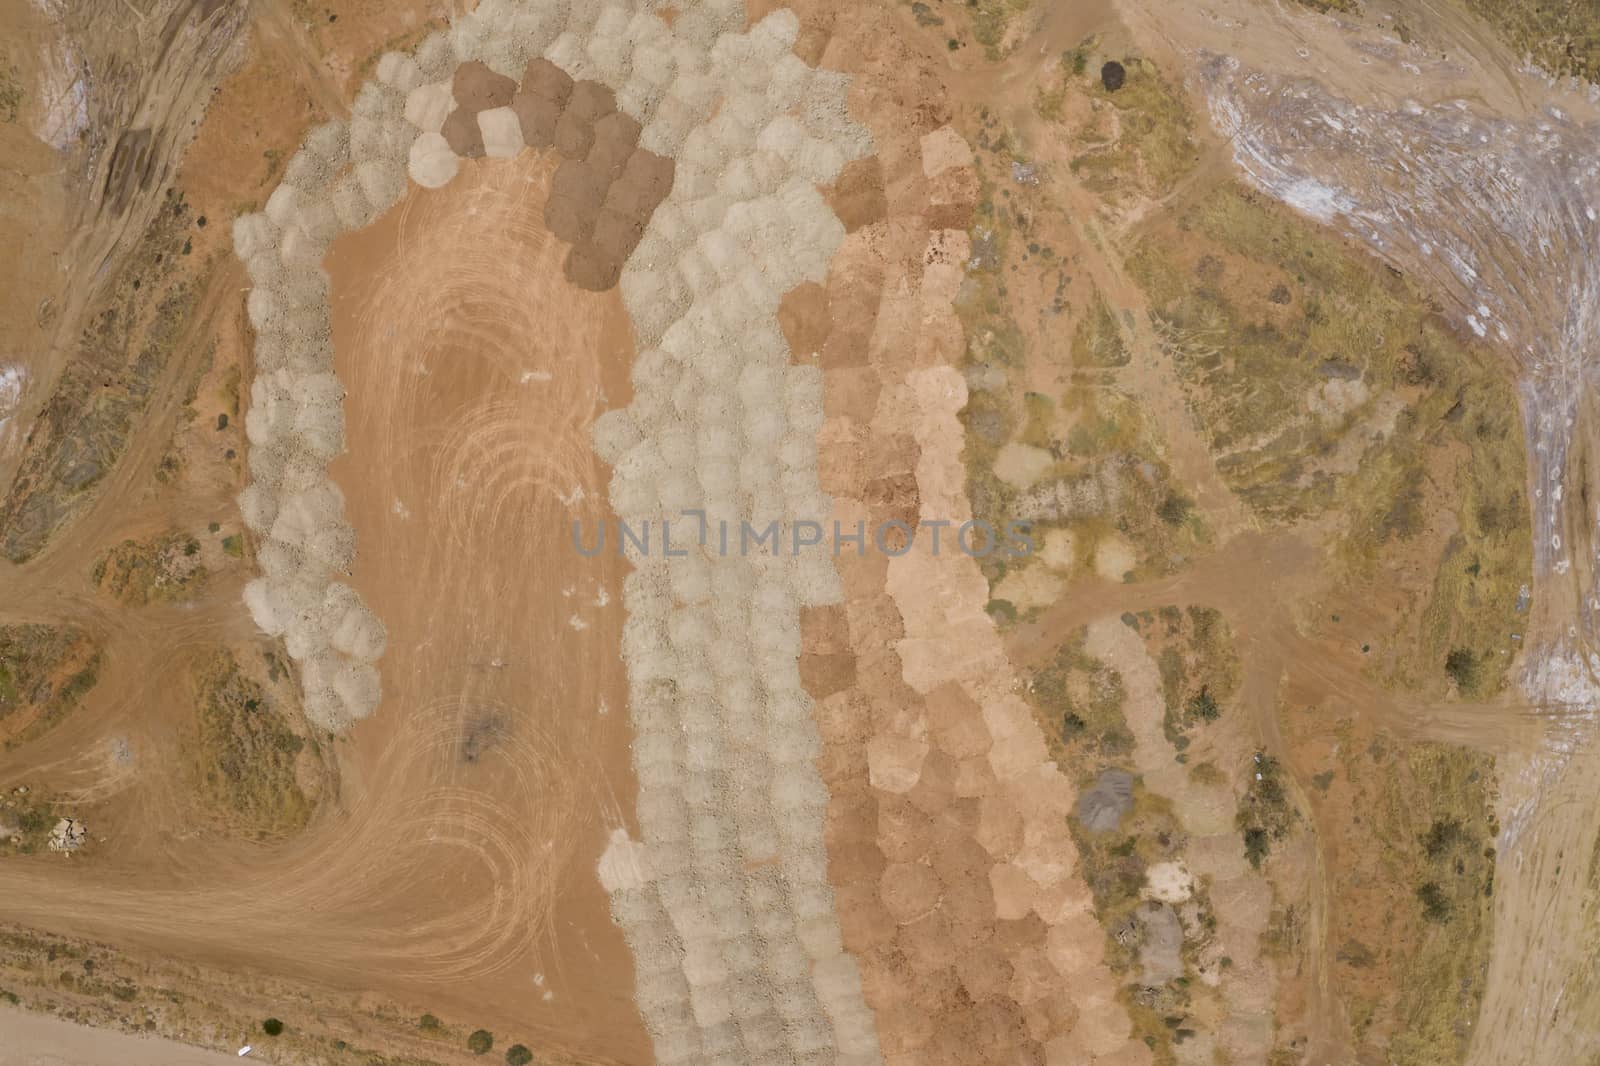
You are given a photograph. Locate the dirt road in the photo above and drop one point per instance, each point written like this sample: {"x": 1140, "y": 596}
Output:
{"x": 39, "y": 1040}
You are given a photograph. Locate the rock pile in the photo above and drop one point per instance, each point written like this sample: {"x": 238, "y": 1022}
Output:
{"x": 68, "y": 835}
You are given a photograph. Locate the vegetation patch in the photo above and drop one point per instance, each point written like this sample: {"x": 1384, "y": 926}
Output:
{"x": 1080, "y": 699}
{"x": 994, "y": 351}
{"x": 1115, "y": 866}
{"x": 1103, "y": 478}
{"x": 1200, "y": 669}
{"x": 161, "y": 569}
{"x": 89, "y": 419}
{"x": 1265, "y": 812}
{"x": 26, "y": 820}
{"x": 1140, "y": 137}
{"x": 45, "y": 671}
{"x": 991, "y": 21}
{"x": 11, "y": 92}
{"x": 1562, "y": 36}
{"x": 1410, "y": 921}
{"x": 245, "y": 753}
{"x": 1439, "y": 832}
{"x": 1326, "y": 382}
{"x": 1098, "y": 340}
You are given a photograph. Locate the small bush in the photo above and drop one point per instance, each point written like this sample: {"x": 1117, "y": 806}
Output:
{"x": 1203, "y": 705}
{"x": 1264, "y": 813}
{"x": 1443, "y": 837}
{"x": 1462, "y": 666}
{"x": 1004, "y": 612}
{"x": 1174, "y": 510}
{"x": 480, "y": 1041}
{"x": 272, "y": 1027}
{"x": 517, "y": 1055}
{"x": 1435, "y": 904}
{"x": 1256, "y": 845}
{"x": 429, "y": 1023}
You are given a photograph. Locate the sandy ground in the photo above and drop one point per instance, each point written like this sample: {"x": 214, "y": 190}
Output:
{"x": 474, "y": 373}
{"x": 470, "y": 818}
{"x": 37, "y": 1040}
{"x": 456, "y": 870}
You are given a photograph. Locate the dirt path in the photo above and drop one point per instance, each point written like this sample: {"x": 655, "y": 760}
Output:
{"x": 39, "y": 1040}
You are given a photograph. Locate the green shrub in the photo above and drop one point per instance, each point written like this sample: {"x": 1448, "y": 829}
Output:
{"x": 1256, "y": 845}
{"x": 480, "y": 1041}
{"x": 1462, "y": 666}
{"x": 1174, "y": 510}
{"x": 1443, "y": 837}
{"x": 1203, "y": 705}
{"x": 1435, "y": 904}
{"x": 1264, "y": 813}
{"x": 517, "y": 1055}
{"x": 272, "y": 1027}
{"x": 1004, "y": 612}
{"x": 429, "y": 1022}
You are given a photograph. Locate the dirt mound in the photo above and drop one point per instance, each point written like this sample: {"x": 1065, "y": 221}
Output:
{"x": 606, "y": 188}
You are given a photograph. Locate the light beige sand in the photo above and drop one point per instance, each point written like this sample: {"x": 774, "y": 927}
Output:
{"x": 38, "y": 1040}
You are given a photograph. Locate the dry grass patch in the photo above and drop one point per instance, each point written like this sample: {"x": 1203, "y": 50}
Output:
{"x": 45, "y": 671}
{"x": 247, "y": 754}
{"x": 1437, "y": 829}
{"x": 157, "y": 570}
{"x": 1562, "y": 36}
{"x": 1140, "y": 137}
{"x": 1329, "y": 386}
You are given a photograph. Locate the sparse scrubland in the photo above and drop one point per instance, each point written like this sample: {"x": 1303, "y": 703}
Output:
{"x": 1082, "y": 467}
{"x": 45, "y": 672}
{"x": 1140, "y": 138}
{"x": 95, "y": 408}
{"x": 1080, "y": 699}
{"x": 1560, "y": 36}
{"x": 1336, "y": 401}
{"x": 156, "y": 570}
{"x": 1327, "y": 384}
{"x": 248, "y": 759}
{"x": 26, "y": 819}
{"x": 1200, "y": 669}
{"x": 1410, "y": 929}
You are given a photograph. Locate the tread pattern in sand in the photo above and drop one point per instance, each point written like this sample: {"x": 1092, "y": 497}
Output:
{"x": 725, "y": 901}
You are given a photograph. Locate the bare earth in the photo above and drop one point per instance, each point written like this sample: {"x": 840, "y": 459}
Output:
{"x": 39, "y": 1040}
{"x": 443, "y": 876}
